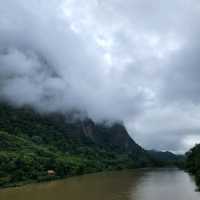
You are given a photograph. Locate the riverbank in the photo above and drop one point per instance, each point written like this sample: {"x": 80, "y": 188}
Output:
{"x": 139, "y": 184}
{"x": 56, "y": 178}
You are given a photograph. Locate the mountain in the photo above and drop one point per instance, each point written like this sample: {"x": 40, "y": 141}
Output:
{"x": 167, "y": 158}
{"x": 33, "y": 144}
{"x": 113, "y": 136}
{"x": 193, "y": 163}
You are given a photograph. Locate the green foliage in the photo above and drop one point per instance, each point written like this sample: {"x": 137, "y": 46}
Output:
{"x": 193, "y": 163}
{"x": 22, "y": 160}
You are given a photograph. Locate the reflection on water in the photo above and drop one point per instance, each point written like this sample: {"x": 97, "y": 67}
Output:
{"x": 159, "y": 184}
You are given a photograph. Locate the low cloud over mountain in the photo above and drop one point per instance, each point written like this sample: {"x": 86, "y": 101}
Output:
{"x": 135, "y": 61}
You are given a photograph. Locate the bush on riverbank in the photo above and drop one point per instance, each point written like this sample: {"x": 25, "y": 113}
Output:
{"x": 193, "y": 163}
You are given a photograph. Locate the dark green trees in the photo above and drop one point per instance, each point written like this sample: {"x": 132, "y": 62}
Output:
{"x": 193, "y": 163}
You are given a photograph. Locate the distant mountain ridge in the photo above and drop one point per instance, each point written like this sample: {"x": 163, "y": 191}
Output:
{"x": 166, "y": 157}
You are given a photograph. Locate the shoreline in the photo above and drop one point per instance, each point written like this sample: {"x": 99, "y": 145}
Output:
{"x": 56, "y": 178}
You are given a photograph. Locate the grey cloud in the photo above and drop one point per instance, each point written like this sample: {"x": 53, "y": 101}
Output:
{"x": 135, "y": 61}
{"x": 45, "y": 63}
{"x": 181, "y": 81}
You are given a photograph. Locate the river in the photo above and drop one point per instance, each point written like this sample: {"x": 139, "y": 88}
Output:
{"x": 145, "y": 184}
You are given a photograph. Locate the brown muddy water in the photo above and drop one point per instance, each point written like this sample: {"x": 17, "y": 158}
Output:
{"x": 145, "y": 184}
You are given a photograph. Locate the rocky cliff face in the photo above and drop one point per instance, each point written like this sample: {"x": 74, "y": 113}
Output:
{"x": 114, "y": 135}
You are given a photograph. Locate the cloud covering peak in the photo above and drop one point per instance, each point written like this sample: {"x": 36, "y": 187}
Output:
{"x": 135, "y": 61}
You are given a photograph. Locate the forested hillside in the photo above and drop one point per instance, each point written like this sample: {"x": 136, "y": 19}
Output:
{"x": 31, "y": 144}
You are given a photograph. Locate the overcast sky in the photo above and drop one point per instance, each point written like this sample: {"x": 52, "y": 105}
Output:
{"x": 133, "y": 60}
